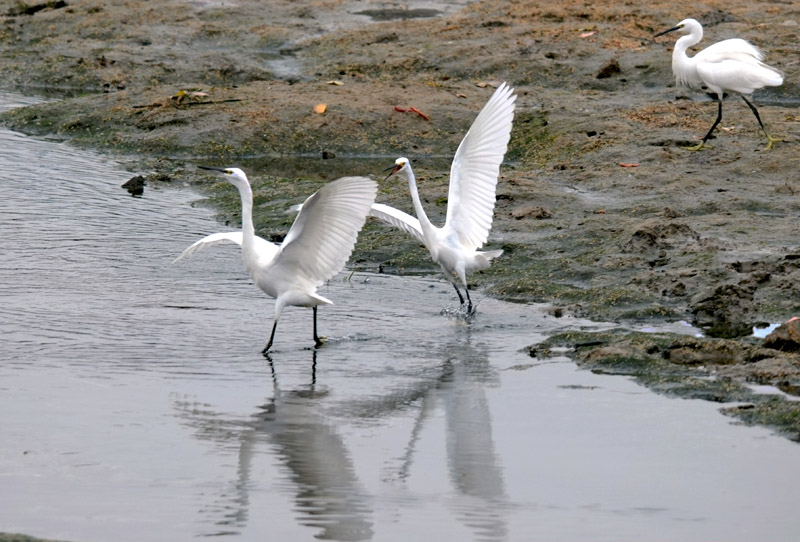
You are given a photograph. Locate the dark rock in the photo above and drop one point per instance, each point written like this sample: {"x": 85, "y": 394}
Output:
{"x": 135, "y": 185}
{"x": 724, "y": 311}
{"x": 23, "y": 8}
{"x": 786, "y": 337}
{"x": 609, "y": 69}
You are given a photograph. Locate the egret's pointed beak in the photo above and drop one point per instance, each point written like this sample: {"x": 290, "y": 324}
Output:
{"x": 217, "y": 169}
{"x": 394, "y": 169}
{"x": 673, "y": 29}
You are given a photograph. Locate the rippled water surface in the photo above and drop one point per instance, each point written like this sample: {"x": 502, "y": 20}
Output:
{"x": 135, "y": 404}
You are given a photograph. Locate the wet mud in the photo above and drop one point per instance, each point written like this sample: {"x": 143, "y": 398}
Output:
{"x": 600, "y": 212}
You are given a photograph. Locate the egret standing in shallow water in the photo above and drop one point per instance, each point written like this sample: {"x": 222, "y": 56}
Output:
{"x": 470, "y": 200}
{"x": 732, "y": 65}
{"x": 317, "y": 246}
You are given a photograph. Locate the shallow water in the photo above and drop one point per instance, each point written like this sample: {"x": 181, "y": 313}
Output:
{"x": 135, "y": 404}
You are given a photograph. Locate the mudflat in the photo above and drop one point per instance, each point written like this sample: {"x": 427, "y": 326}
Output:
{"x": 600, "y": 211}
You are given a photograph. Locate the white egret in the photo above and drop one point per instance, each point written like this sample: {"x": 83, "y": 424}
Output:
{"x": 471, "y": 197}
{"x": 316, "y": 247}
{"x": 732, "y": 65}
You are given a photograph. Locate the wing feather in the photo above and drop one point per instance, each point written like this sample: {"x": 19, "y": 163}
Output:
{"x": 743, "y": 75}
{"x": 476, "y": 166}
{"x": 263, "y": 247}
{"x": 323, "y": 235}
{"x": 398, "y": 219}
{"x": 211, "y": 240}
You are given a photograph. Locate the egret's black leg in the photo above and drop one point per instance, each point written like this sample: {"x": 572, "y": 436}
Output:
{"x": 317, "y": 341}
{"x": 460, "y": 297}
{"x": 470, "y": 310}
{"x": 271, "y": 337}
{"x": 770, "y": 139}
{"x": 711, "y": 131}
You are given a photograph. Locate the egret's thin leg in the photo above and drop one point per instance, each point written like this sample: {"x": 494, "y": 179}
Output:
{"x": 271, "y": 337}
{"x": 469, "y": 306}
{"x": 702, "y": 144}
{"x": 317, "y": 341}
{"x": 460, "y": 297}
{"x": 770, "y": 139}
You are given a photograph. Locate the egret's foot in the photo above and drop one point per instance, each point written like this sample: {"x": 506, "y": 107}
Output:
{"x": 265, "y": 352}
{"x": 771, "y": 141}
{"x": 319, "y": 341}
{"x": 699, "y": 146}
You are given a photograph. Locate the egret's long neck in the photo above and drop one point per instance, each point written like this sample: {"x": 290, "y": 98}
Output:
{"x": 683, "y": 43}
{"x": 683, "y": 66}
{"x": 248, "y": 230}
{"x": 412, "y": 187}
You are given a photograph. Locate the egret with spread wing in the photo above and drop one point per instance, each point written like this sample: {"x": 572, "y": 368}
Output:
{"x": 732, "y": 65}
{"x": 471, "y": 197}
{"x": 316, "y": 248}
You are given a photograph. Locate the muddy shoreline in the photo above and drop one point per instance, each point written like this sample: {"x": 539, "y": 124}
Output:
{"x": 599, "y": 211}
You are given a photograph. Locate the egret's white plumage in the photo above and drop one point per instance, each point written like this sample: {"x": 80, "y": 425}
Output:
{"x": 471, "y": 197}
{"x": 731, "y": 65}
{"x": 316, "y": 248}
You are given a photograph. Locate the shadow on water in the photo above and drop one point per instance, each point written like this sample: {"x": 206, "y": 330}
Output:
{"x": 328, "y": 495}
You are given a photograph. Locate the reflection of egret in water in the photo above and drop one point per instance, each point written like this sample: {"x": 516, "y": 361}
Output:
{"x": 459, "y": 388}
{"x": 470, "y": 449}
{"x": 328, "y": 495}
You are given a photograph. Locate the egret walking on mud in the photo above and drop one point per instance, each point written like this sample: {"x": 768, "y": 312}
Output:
{"x": 470, "y": 200}
{"x": 316, "y": 248}
{"x": 732, "y": 65}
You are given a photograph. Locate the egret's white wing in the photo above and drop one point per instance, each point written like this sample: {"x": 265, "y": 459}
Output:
{"x": 476, "y": 166}
{"x": 397, "y": 218}
{"x": 263, "y": 247}
{"x": 323, "y": 235}
{"x": 729, "y": 47}
{"x": 210, "y": 240}
{"x": 742, "y": 75}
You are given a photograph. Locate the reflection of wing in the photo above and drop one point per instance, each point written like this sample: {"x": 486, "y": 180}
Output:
{"x": 398, "y": 219}
{"x": 476, "y": 166}
{"x": 323, "y": 235}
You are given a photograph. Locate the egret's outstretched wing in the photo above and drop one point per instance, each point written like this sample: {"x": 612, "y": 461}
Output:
{"x": 398, "y": 219}
{"x": 210, "y": 240}
{"x": 476, "y": 166}
{"x": 263, "y": 247}
{"x": 323, "y": 235}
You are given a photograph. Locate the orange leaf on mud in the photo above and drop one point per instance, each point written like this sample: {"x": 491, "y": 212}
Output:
{"x": 628, "y": 164}
{"x": 411, "y": 110}
{"x": 320, "y": 108}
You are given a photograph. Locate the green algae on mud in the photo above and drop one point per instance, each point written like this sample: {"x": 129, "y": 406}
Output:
{"x": 689, "y": 368}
